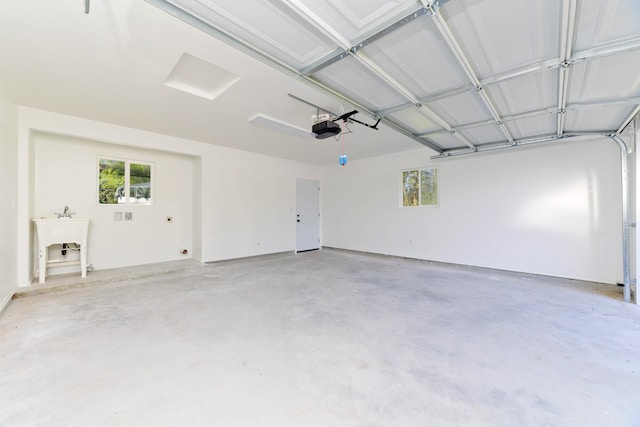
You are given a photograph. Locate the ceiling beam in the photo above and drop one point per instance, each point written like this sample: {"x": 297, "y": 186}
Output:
{"x": 634, "y": 100}
{"x": 519, "y": 143}
{"x": 506, "y": 119}
{"x": 550, "y": 110}
{"x": 493, "y": 146}
{"x": 324, "y": 62}
{"x": 566, "y": 45}
{"x": 462, "y": 59}
{"x": 607, "y": 49}
{"x": 532, "y": 68}
{"x": 431, "y": 98}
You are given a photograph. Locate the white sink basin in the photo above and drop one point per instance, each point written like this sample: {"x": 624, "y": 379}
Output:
{"x": 62, "y": 230}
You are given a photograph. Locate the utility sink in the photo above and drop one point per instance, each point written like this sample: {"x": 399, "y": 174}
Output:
{"x": 61, "y": 230}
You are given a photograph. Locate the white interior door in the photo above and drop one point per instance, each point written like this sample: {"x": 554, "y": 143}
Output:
{"x": 307, "y": 215}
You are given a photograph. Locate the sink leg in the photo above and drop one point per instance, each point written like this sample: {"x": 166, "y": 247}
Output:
{"x": 83, "y": 259}
{"x": 42, "y": 264}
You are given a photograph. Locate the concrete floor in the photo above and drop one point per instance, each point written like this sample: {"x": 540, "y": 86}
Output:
{"x": 326, "y": 338}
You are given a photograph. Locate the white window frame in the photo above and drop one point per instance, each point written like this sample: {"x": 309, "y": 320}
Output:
{"x": 127, "y": 181}
{"x": 419, "y": 170}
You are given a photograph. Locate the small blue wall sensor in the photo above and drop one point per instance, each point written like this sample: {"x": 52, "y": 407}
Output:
{"x": 343, "y": 159}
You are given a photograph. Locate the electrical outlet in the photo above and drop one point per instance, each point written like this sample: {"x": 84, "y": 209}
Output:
{"x": 128, "y": 216}
{"x": 168, "y": 219}
{"x": 117, "y": 216}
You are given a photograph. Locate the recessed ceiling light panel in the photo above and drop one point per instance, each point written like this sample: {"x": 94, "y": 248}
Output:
{"x": 199, "y": 77}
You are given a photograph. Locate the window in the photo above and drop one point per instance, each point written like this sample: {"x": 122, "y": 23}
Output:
{"x": 420, "y": 187}
{"x": 124, "y": 182}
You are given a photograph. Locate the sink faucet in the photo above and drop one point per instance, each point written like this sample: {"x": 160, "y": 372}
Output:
{"x": 65, "y": 213}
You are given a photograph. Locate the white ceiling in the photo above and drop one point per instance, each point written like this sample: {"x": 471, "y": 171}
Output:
{"x": 459, "y": 75}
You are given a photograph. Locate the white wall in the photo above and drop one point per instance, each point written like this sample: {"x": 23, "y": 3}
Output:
{"x": 9, "y": 199}
{"x": 66, "y": 174}
{"x": 243, "y": 204}
{"x": 548, "y": 209}
{"x": 249, "y": 203}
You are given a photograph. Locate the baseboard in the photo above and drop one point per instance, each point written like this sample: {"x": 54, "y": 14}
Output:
{"x": 271, "y": 254}
{"x": 4, "y": 302}
{"x": 609, "y": 287}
